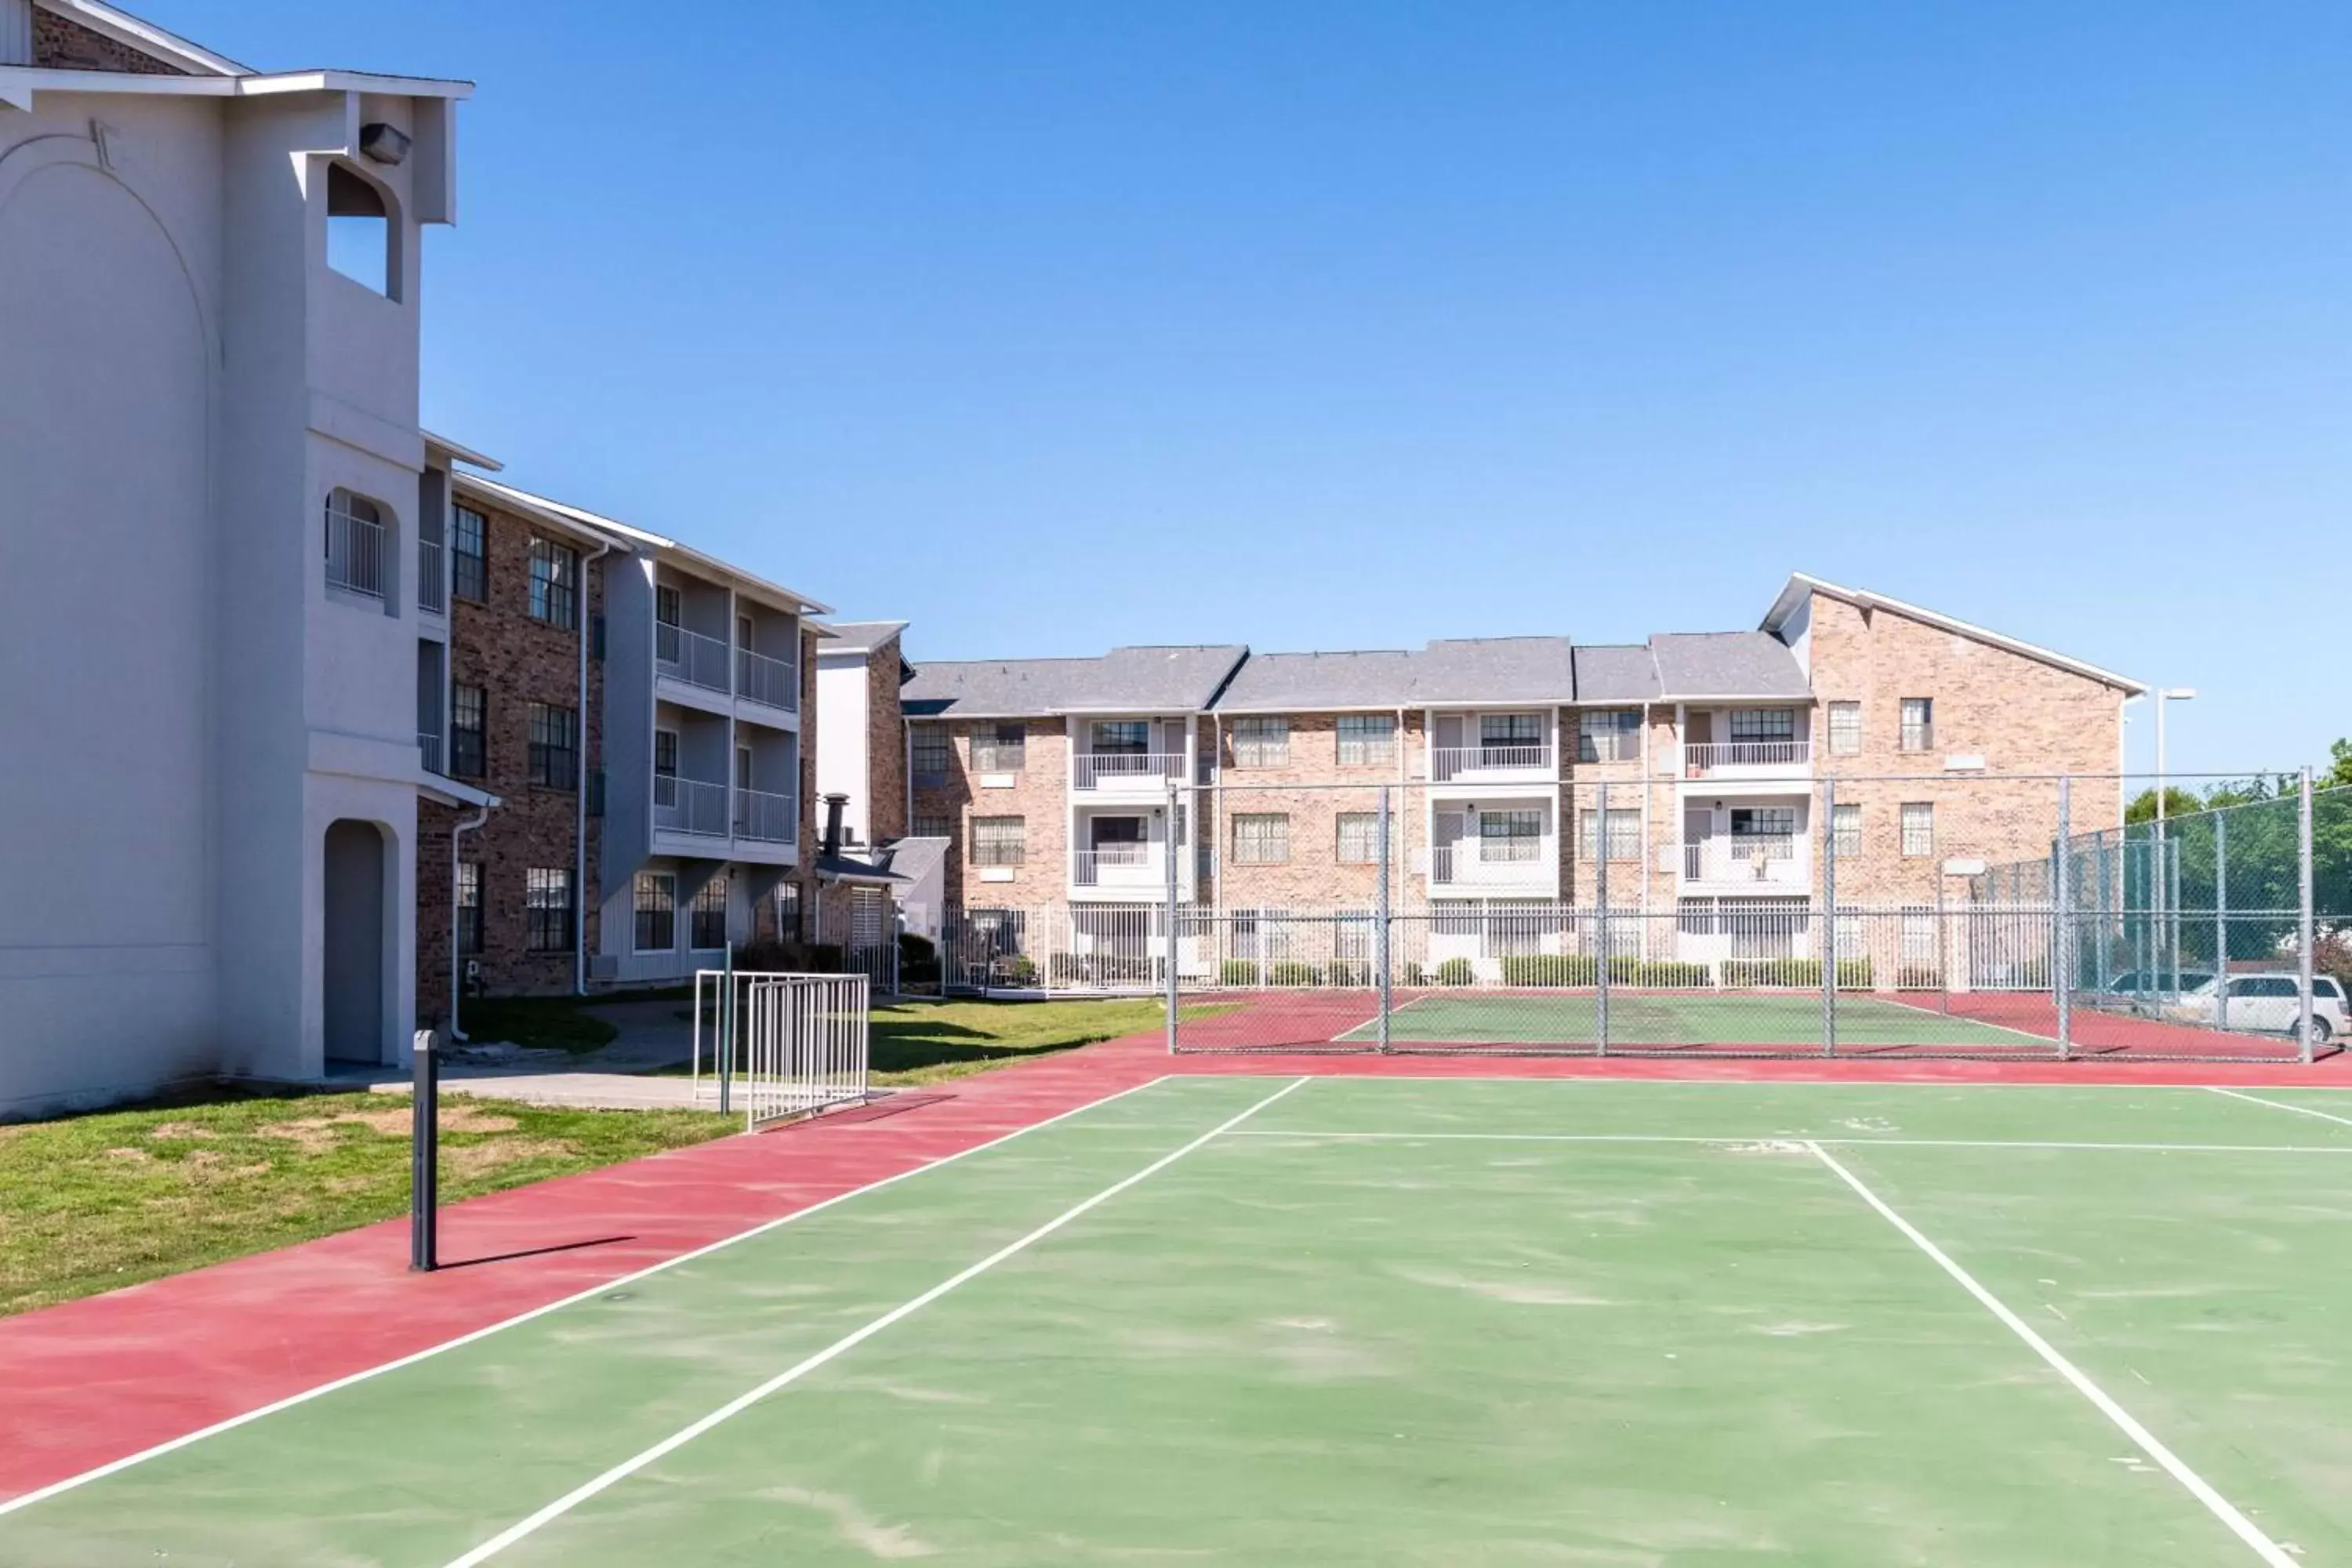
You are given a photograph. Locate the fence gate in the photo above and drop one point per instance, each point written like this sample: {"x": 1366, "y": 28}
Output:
{"x": 776, "y": 1045}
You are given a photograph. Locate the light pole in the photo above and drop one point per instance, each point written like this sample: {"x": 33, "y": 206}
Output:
{"x": 2161, "y": 880}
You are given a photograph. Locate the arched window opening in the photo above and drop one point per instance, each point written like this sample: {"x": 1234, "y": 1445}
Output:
{"x": 359, "y": 232}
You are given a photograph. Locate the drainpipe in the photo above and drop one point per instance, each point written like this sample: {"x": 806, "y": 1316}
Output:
{"x": 580, "y": 825}
{"x": 456, "y": 959}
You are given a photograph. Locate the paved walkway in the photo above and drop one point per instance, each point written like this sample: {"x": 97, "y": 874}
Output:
{"x": 613, "y": 1076}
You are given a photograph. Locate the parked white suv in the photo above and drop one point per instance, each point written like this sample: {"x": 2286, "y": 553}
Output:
{"x": 2267, "y": 1004}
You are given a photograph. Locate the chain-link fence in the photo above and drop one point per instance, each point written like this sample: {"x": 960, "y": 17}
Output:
{"x": 1727, "y": 913}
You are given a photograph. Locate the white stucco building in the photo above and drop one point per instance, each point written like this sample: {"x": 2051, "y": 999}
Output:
{"x": 212, "y": 505}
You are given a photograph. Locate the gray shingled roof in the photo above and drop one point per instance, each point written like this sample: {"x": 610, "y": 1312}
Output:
{"x": 1725, "y": 664}
{"x": 1615, "y": 673}
{"x": 858, "y": 636}
{"x": 1463, "y": 669}
{"x": 1124, "y": 680}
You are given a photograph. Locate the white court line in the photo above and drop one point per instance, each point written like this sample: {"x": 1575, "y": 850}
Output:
{"x": 1794, "y": 1138}
{"x": 847, "y": 1342}
{"x": 2280, "y": 1105}
{"x": 2220, "y": 1508}
{"x": 1597, "y": 1080}
{"x": 26, "y": 1499}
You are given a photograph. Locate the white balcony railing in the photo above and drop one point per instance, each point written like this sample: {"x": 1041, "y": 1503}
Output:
{"x": 1446, "y": 762}
{"x": 689, "y": 805}
{"x": 432, "y": 582}
{"x": 1493, "y": 863}
{"x": 1126, "y": 770}
{"x": 767, "y": 681}
{"x": 428, "y": 747}
{"x": 1767, "y": 859}
{"x": 690, "y": 657}
{"x": 354, "y": 553}
{"x": 1120, "y": 865}
{"x": 768, "y": 818}
{"x": 1708, "y": 757}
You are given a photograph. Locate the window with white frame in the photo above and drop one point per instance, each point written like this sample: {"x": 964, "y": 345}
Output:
{"x": 1609, "y": 735}
{"x": 929, "y": 753}
{"x": 788, "y": 911}
{"x": 1359, "y": 837}
{"x": 1763, "y": 725}
{"x": 1367, "y": 739}
{"x": 1918, "y": 724}
{"x": 1261, "y": 838}
{"x": 999, "y": 840}
{"x": 554, "y": 760}
{"x": 554, "y": 584}
{"x": 1261, "y": 740}
{"x": 1510, "y": 836}
{"x": 709, "y": 931}
{"x": 1845, "y": 831}
{"x": 1510, "y": 739}
{"x": 1918, "y": 828}
{"x": 469, "y": 908}
{"x": 1119, "y": 736}
{"x": 1624, "y": 834}
{"x": 469, "y": 731}
{"x": 654, "y": 902}
{"x": 1000, "y": 748}
{"x": 547, "y": 905}
{"x": 1763, "y": 833}
{"x": 1845, "y": 729}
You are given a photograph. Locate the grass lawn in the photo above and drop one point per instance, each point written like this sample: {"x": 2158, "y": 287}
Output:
{"x": 553, "y": 1023}
{"x": 96, "y": 1201}
{"x": 925, "y": 1041}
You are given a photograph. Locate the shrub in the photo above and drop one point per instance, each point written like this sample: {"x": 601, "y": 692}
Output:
{"x": 918, "y": 959}
{"x": 1018, "y": 972}
{"x": 1918, "y": 977}
{"x": 1238, "y": 972}
{"x": 1455, "y": 971}
{"x": 771, "y": 956}
{"x": 1412, "y": 974}
{"x": 1548, "y": 969}
{"x": 1290, "y": 972}
{"x": 1352, "y": 971}
{"x": 1679, "y": 973}
{"x": 1853, "y": 974}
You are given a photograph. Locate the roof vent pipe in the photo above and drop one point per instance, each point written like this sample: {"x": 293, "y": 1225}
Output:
{"x": 833, "y": 809}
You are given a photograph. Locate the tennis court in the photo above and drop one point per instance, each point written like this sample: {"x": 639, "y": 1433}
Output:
{"x": 1256, "y": 1319}
{"x": 1656, "y": 1018}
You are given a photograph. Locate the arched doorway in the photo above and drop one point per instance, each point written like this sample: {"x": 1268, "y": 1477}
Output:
{"x": 354, "y": 991}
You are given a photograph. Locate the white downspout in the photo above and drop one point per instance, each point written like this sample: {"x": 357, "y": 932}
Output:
{"x": 580, "y": 824}
{"x": 457, "y": 914}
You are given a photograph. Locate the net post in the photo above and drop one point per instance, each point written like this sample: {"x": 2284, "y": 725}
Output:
{"x": 2063, "y": 945}
{"x": 722, "y": 1055}
{"x": 2304, "y": 933}
{"x": 2221, "y": 921}
{"x": 1943, "y": 950}
{"x": 1381, "y": 922}
{"x": 423, "y": 1155}
{"x": 1601, "y": 921}
{"x": 1829, "y": 916}
{"x": 1172, "y": 896}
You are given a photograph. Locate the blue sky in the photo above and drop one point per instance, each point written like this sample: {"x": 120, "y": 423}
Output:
{"x": 1050, "y": 327}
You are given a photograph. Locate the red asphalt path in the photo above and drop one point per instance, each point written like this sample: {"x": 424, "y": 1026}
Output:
{"x": 94, "y": 1381}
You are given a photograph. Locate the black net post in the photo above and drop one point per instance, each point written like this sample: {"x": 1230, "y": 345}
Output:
{"x": 424, "y": 1154}
{"x": 1600, "y": 927}
{"x": 1829, "y": 944}
{"x": 2062, "y": 947}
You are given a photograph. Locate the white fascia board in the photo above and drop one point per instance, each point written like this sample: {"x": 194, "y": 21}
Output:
{"x": 352, "y": 81}
{"x": 1800, "y": 583}
{"x": 139, "y": 34}
{"x": 465, "y": 484}
{"x": 19, "y": 83}
{"x": 1801, "y": 699}
{"x": 446, "y": 448}
{"x": 449, "y": 792}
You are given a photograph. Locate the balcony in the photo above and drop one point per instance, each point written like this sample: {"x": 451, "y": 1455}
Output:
{"x": 768, "y": 681}
{"x": 1750, "y": 759}
{"x": 1137, "y": 869}
{"x": 1145, "y": 771}
{"x": 690, "y": 657}
{"x": 689, "y": 805}
{"x": 1496, "y": 865}
{"x": 432, "y": 582}
{"x": 1771, "y": 860}
{"x": 766, "y": 818}
{"x": 354, "y": 553}
{"x": 429, "y": 748}
{"x": 1491, "y": 763}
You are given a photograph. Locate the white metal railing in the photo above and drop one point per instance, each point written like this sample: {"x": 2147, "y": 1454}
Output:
{"x": 1771, "y": 859}
{"x": 1454, "y": 762}
{"x": 690, "y": 657}
{"x": 354, "y": 553}
{"x": 1705, "y": 756}
{"x": 767, "y": 680}
{"x": 689, "y": 805}
{"x": 428, "y": 747}
{"x": 1498, "y": 863}
{"x": 432, "y": 583}
{"x": 769, "y": 817}
{"x": 773, "y": 1046}
{"x": 1119, "y": 865}
{"x": 1100, "y": 770}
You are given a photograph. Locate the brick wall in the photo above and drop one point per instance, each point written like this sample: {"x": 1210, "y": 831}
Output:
{"x": 1039, "y": 794}
{"x": 885, "y": 746}
{"x": 1314, "y": 878}
{"x": 62, "y": 44}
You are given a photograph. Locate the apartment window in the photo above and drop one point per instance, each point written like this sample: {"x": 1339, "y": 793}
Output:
{"x": 547, "y": 903}
{"x": 788, "y": 911}
{"x": 668, "y": 609}
{"x": 999, "y": 749}
{"x": 1261, "y": 838}
{"x": 1609, "y": 735}
{"x": 1512, "y": 835}
{"x": 655, "y": 898}
{"x": 1359, "y": 837}
{"x": 1764, "y": 725}
{"x": 469, "y": 908}
{"x": 554, "y": 584}
{"x": 1121, "y": 737}
{"x": 1624, "y": 834}
{"x": 1918, "y": 827}
{"x": 1845, "y": 729}
{"x": 1918, "y": 723}
{"x": 1367, "y": 739}
{"x": 1261, "y": 741}
{"x": 999, "y": 840}
{"x": 929, "y": 753}
{"x": 555, "y": 747}
{"x": 1508, "y": 738}
{"x": 468, "y": 725}
{"x": 932, "y": 827}
{"x": 1763, "y": 833}
{"x": 1845, "y": 831}
{"x": 665, "y": 753}
{"x": 469, "y": 546}
{"x": 707, "y": 930}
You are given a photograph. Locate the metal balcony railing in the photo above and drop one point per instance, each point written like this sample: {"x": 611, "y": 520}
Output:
{"x": 690, "y": 657}
{"x": 1119, "y": 865}
{"x": 689, "y": 805}
{"x": 431, "y": 581}
{"x": 1705, "y": 757}
{"x": 1492, "y": 863}
{"x": 1114, "y": 770}
{"x": 1455, "y": 762}
{"x": 767, "y": 681}
{"x": 354, "y": 554}
{"x": 766, "y": 817}
{"x": 1770, "y": 859}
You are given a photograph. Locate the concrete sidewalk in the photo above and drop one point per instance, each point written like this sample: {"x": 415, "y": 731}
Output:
{"x": 615, "y": 1077}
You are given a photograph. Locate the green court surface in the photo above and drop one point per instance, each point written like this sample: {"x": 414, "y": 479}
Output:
{"x": 1255, "y": 1319}
{"x": 1638, "y": 1018}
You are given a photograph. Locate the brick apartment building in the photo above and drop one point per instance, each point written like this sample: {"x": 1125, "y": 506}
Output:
{"x": 1937, "y": 744}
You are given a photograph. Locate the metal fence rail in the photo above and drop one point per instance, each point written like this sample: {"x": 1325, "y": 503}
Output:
{"x": 780, "y": 1044}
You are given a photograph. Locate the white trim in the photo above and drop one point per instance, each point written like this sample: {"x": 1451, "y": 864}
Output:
{"x": 1758, "y": 1140}
{"x": 2279, "y": 1105}
{"x": 27, "y": 80}
{"x": 142, "y": 35}
{"x": 842, "y": 1346}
